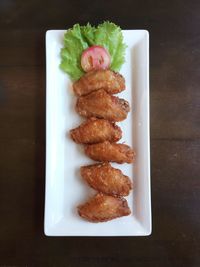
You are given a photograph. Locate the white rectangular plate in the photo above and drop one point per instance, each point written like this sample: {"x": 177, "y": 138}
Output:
{"x": 64, "y": 187}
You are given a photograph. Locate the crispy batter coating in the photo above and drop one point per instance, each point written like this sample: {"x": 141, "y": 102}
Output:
{"x": 95, "y": 131}
{"x": 102, "y": 105}
{"x": 102, "y": 208}
{"x": 113, "y": 152}
{"x": 106, "y": 179}
{"x": 112, "y": 82}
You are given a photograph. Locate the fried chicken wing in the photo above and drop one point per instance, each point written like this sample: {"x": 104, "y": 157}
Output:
{"x": 106, "y": 179}
{"x": 107, "y": 151}
{"x": 102, "y": 208}
{"x": 102, "y": 105}
{"x": 112, "y": 82}
{"x": 95, "y": 131}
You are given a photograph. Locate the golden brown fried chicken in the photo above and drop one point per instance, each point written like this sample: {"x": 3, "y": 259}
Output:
{"x": 95, "y": 131}
{"x": 112, "y": 82}
{"x": 102, "y": 105}
{"x": 106, "y": 179}
{"x": 107, "y": 151}
{"x": 102, "y": 208}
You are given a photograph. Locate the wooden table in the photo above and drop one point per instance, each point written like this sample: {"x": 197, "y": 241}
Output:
{"x": 174, "y": 28}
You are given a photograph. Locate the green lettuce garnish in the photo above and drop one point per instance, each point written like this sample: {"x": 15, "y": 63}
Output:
{"x": 78, "y": 38}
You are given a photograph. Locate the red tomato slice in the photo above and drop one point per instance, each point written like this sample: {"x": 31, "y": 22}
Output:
{"x": 95, "y": 58}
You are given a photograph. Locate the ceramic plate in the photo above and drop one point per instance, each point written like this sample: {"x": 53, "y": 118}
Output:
{"x": 64, "y": 186}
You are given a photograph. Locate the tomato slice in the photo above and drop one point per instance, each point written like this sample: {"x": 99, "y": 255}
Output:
{"x": 94, "y": 58}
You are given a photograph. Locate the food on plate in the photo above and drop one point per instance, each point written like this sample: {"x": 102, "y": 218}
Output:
{"x": 77, "y": 42}
{"x": 112, "y": 82}
{"x": 94, "y": 58}
{"x": 102, "y": 105}
{"x": 107, "y": 151}
{"x": 95, "y": 130}
{"x": 106, "y": 179}
{"x": 102, "y": 208}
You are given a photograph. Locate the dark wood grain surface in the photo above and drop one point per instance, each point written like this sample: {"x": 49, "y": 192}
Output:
{"x": 174, "y": 28}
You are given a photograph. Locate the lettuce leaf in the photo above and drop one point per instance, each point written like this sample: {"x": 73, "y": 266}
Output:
{"x": 110, "y": 36}
{"x": 77, "y": 39}
{"x": 74, "y": 44}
